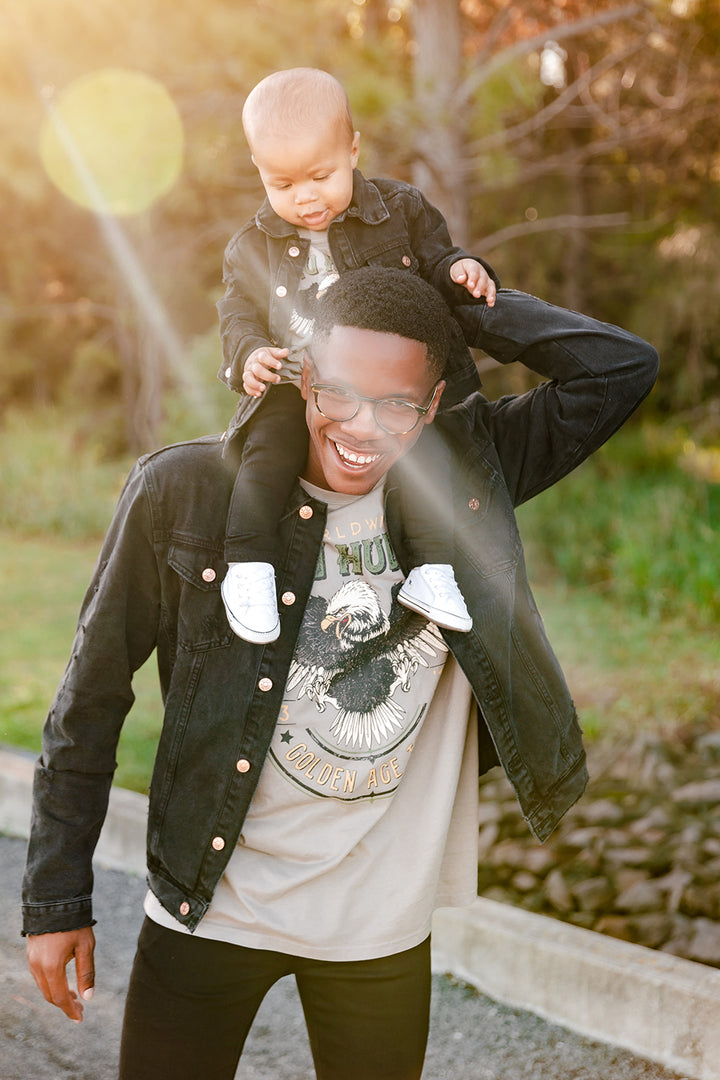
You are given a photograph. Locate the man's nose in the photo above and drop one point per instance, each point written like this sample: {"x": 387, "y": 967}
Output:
{"x": 363, "y": 424}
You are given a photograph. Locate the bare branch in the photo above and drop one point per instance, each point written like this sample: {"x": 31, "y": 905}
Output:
{"x": 557, "y": 33}
{"x": 650, "y": 127}
{"x": 534, "y": 123}
{"x": 552, "y": 224}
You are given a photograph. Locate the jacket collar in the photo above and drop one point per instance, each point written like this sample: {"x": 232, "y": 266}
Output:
{"x": 366, "y": 204}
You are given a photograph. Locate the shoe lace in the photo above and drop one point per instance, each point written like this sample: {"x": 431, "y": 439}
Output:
{"x": 442, "y": 581}
{"x": 254, "y": 586}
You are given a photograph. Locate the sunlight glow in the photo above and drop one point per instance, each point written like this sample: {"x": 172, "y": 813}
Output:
{"x": 112, "y": 141}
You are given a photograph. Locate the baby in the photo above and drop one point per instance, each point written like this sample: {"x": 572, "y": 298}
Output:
{"x": 322, "y": 217}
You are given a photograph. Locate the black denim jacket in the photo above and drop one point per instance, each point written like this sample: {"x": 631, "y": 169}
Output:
{"x": 388, "y": 223}
{"x": 156, "y": 586}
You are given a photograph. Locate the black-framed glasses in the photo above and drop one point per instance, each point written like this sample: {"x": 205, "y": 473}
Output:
{"x": 394, "y": 415}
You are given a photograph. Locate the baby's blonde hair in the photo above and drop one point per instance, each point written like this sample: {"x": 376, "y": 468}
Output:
{"x": 297, "y": 98}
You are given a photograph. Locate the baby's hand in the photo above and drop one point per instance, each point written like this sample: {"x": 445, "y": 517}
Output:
{"x": 261, "y": 367}
{"x": 475, "y": 278}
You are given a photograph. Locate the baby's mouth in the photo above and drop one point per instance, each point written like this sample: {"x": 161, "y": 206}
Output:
{"x": 314, "y": 217}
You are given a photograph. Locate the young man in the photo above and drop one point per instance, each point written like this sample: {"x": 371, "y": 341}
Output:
{"x": 314, "y": 799}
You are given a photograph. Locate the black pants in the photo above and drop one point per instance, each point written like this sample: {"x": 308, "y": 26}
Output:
{"x": 191, "y": 1003}
{"x": 275, "y": 452}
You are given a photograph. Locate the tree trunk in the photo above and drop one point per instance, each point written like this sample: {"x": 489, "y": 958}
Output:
{"x": 441, "y": 126}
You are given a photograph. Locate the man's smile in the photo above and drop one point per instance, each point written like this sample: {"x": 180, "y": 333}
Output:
{"x": 354, "y": 458}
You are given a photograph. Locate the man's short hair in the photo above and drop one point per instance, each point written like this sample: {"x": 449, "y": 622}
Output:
{"x": 388, "y": 301}
{"x": 295, "y": 99}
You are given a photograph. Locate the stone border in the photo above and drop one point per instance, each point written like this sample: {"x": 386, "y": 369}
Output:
{"x": 659, "y": 1006}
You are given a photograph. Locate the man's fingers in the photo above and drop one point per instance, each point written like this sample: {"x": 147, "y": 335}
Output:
{"x": 48, "y": 957}
{"x": 85, "y": 968}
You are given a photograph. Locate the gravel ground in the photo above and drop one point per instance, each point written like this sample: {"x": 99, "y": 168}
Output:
{"x": 471, "y": 1036}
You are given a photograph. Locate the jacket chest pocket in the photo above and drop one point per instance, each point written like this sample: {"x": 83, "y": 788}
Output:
{"x": 202, "y": 623}
{"x": 395, "y": 253}
{"x": 486, "y": 532}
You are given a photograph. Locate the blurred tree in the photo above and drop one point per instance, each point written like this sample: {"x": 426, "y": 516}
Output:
{"x": 572, "y": 141}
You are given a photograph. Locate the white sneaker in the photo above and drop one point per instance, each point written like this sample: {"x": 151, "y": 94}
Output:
{"x": 250, "y": 600}
{"x": 433, "y": 591}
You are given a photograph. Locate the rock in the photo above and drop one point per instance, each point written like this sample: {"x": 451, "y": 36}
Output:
{"x": 674, "y": 883}
{"x": 539, "y": 859}
{"x": 697, "y": 793}
{"x": 629, "y": 856}
{"x": 582, "y": 838}
{"x": 496, "y": 892}
{"x": 642, "y": 896}
{"x": 651, "y": 929}
{"x": 600, "y": 812}
{"x": 704, "y": 944}
{"x": 701, "y": 900}
{"x": 709, "y": 744}
{"x": 557, "y": 891}
{"x": 486, "y": 838}
{"x": 487, "y": 812}
{"x": 617, "y": 926}
{"x": 656, "y": 818}
{"x": 593, "y": 894}
{"x": 524, "y": 881}
{"x": 627, "y": 876}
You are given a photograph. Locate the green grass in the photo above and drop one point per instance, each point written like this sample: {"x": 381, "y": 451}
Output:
{"x": 43, "y": 582}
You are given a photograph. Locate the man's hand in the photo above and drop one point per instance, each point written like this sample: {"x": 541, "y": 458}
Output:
{"x": 475, "y": 278}
{"x": 48, "y": 956}
{"x": 261, "y": 367}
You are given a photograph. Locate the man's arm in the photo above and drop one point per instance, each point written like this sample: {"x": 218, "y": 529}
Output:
{"x": 597, "y": 374}
{"x": 117, "y": 631}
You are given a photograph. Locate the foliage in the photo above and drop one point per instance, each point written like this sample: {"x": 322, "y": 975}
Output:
{"x": 632, "y": 524}
{"x": 580, "y": 192}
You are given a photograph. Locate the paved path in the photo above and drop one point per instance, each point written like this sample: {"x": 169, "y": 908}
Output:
{"x": 471, "y": 1037}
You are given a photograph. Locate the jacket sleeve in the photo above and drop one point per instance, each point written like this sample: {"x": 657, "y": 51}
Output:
{"x": 433, "y": 247}
{"x": 116, "y": 632}
{"x": 243, "y": 310}
{"x": 596, "y": 376}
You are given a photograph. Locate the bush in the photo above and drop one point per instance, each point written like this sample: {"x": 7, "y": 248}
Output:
{"x": 632, "y": 523}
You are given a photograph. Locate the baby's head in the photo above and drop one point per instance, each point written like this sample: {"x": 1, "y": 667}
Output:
{"x": 300, "y": 132}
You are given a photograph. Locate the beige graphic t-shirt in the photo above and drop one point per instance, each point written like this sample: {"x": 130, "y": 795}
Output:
{"x": 365, "y": 815}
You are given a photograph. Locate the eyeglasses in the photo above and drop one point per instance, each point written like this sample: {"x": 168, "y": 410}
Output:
{"x": 394, "y": 415}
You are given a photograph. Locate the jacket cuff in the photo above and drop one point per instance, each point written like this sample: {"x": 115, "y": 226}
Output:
{"x": 57, "y": 917}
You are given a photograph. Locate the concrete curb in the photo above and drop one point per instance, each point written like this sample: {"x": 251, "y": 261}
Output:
{"x": 662, "y": 1007}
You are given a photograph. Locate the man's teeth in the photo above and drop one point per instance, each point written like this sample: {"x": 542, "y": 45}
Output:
{"x": 353, "y": 458}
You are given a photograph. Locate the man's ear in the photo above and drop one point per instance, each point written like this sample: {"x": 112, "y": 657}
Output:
{"x": 430, "y": 415}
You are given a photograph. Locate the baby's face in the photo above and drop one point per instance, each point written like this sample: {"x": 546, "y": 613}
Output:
{"x": 308, "y": 175}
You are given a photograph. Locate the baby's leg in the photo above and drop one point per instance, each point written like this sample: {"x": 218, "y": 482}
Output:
{"x": 274, "y": 453}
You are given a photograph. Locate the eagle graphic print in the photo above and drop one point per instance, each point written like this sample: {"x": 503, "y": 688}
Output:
{"x": 364, "y": 669}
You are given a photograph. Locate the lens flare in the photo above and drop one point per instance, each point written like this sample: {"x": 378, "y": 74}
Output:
{"x": 112, "y": 141}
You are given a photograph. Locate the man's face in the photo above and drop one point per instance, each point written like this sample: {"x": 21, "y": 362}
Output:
{"x": 351, "y": 456}
{"x": 308, "y": 176}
